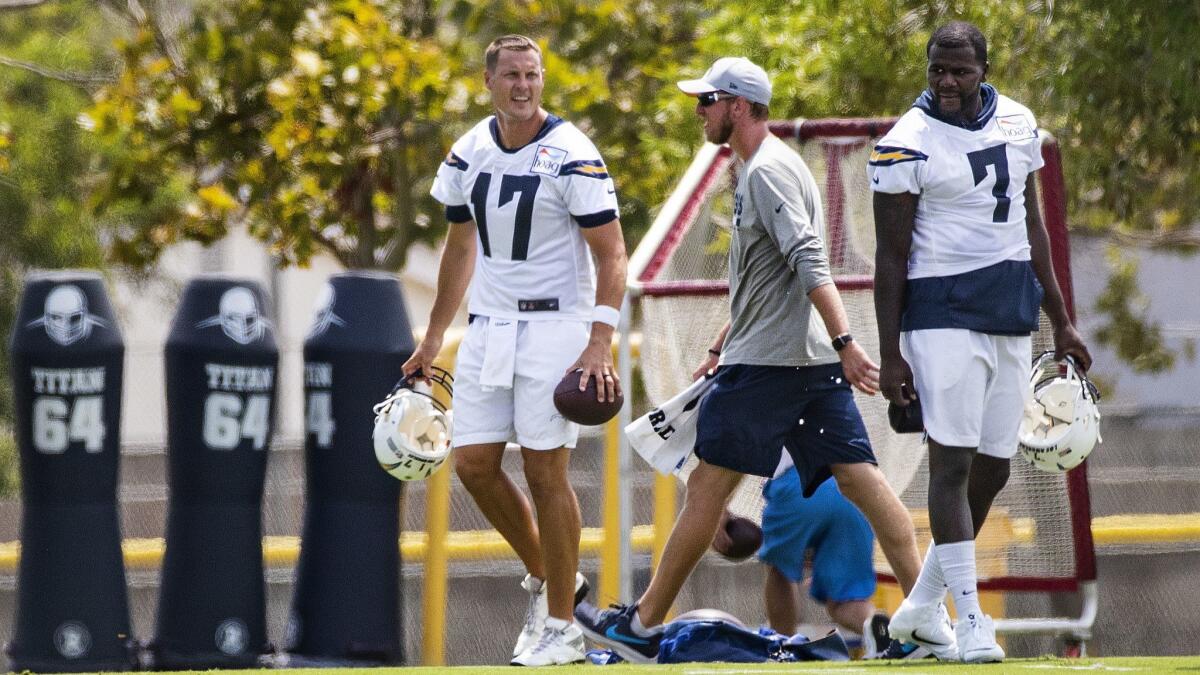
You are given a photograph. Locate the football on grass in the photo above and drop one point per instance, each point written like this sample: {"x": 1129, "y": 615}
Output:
{"x": 738, "y": 538}
{"x": 582, "y": 407}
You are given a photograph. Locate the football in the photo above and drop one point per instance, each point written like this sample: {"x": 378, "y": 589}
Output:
{"x": 582, "y": 407}
{"x": 738, "y": 538}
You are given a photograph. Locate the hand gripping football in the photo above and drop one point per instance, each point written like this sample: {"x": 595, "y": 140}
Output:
{"x": 738, "y": 538}
{"x": 582, "y": 407}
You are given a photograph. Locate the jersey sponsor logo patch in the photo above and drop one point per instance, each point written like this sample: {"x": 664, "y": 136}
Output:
{"x": 887, "y": 155}
{"x": 547, "y": 160}
{"x": 592, "y": 168}
{"x": 1016, "y": 128}
{"x": 539, "y": 305}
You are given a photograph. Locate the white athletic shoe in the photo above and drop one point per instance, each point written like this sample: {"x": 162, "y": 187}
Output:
{"x": 927, "y": 626}
{"x": 560, "y": 643}
{"x": 537, "y": 610}
{"x": 535, "y": 614}
{"x": 977, "y": 639}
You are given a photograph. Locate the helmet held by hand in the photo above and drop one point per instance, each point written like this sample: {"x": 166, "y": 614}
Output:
{"x": 1061, "y": 424}
{"x": 412, "y": 427}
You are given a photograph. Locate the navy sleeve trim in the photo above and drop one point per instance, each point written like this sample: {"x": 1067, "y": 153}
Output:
{"x": 457, "y": 162}
{"x": 597, "y": 219}
{"x": 459, "y": 213}
{"x": 592, "y": 168}
{"x": 887, "y": 155}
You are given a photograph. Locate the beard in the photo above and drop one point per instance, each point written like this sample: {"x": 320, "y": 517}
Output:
{"x": 721, "y": 135}
{"x": 965, "y": 101}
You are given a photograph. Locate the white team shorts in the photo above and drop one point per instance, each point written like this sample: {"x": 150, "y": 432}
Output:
{"x": 504, "y": 382}
{"x": 973, "y": 386}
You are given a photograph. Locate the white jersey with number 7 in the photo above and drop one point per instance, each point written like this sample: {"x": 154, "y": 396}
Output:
{"x": 971, "y": 182}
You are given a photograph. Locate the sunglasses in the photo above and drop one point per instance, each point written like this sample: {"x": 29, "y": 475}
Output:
{"x": 708, "y": 98}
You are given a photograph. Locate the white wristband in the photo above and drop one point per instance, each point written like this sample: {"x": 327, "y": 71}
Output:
{"x": 606, "y": 314}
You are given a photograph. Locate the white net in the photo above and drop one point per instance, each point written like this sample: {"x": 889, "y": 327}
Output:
{"x": 1029, "y": 536}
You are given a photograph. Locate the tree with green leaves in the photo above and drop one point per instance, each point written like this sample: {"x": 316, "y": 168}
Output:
{"x": 319, "y": 125}
{"x": 1113, "y": 81}
{"x": 52, "y": 55}
{"x": 313, "y": 124}
{"x": 1119, "y": 81}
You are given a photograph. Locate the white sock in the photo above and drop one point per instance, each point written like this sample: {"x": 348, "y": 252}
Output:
{"x": 555, "y": 623}
{"x": 958, "y": 567}
{"x": 640, "y": 630}
{"x": 931, "y": 584}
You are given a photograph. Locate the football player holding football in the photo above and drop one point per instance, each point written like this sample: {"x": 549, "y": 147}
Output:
{"x": 530, "y": 202}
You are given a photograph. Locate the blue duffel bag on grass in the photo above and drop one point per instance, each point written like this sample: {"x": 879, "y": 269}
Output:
{"x": 722, "y": 641}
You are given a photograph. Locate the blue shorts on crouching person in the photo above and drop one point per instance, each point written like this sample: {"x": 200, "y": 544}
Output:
{"x": 753, "y": 411}
{"x": 826, "y": 524}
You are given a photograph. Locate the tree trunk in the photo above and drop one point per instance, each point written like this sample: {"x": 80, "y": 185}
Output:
{"x": 363, "y": 212}
{"x": 405, "y": 208}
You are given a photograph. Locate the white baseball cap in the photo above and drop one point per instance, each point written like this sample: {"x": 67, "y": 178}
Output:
{"x": 733, "y": 75}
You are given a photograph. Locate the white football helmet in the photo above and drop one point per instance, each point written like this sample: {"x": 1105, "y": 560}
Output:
{"x": 1061, "y": 424}
{"x": 412, "y": 428}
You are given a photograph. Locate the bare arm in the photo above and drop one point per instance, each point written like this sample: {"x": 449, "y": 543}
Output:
{"x": 454, "y": 276}
{"x": 858, "y": 366}
{"x": 894, "y": 220}
{"x": 713, "y": 356}
{"x": 1066, "y": 338}
{"x": 607, "y": 243}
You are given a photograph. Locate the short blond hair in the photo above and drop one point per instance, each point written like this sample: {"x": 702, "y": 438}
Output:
{"x": 516, "y": 43}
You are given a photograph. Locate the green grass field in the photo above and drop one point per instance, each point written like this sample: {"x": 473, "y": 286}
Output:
{"x": 1129, "y": 664}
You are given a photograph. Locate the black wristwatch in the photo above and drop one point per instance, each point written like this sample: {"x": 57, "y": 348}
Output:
{"x": 840, "y": 342}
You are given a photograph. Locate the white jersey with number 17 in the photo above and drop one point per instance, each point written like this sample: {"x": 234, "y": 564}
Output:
{"x": 529, "y": 205}
{"x": 971, "y": 182}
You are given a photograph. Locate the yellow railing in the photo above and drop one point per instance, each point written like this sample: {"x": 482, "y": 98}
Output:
{"x": 1149, "y": 528}
{"x": 436, "y": 555}
{"x": 279, "y": 551}
{"x": 609, "y": 577}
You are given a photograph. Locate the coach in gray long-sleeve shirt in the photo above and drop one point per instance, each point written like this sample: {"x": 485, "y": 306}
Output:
{"x": 776, "y": 258}
{"x": 782, "y": 383}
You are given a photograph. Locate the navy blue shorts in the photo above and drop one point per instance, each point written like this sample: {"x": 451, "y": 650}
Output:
{"x": 753, "y": 412}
